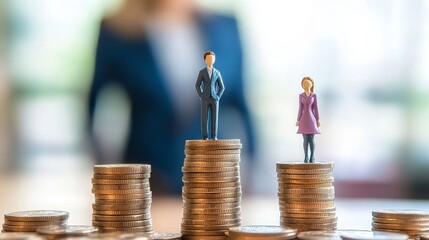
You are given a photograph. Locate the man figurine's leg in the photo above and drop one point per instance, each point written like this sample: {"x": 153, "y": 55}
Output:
{"x": 305, "y": 145}
{"x": 204, "y": 112}
{"x": 214, "y": 113}
{"x": 312, "y": 147}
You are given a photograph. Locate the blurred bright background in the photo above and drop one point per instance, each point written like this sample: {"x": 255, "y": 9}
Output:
{"x": 369, "y": 60}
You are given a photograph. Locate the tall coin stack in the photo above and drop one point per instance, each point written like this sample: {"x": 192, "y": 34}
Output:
{"x": 307, "y": 196}
{"x": 122, "y": 198}
{"x": 211, "y": 188}
{"x": 30, "y": 221}
{"x": 411, "y": 222}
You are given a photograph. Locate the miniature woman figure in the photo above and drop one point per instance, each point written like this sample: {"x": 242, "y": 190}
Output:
{"x": 308, "y": 117}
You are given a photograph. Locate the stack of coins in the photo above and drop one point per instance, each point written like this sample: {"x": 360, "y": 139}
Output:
{"x": 212, "y": 189}
{"x": 307, "y": 196}
{"x": 411, "y": 222}
{"x": 122, "y": 198}
{"x": 261, "y": 233}
{"x": 30, "y": 221}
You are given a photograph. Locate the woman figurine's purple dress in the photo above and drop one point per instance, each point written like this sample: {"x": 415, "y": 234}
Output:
{"x": 308, "y": 117}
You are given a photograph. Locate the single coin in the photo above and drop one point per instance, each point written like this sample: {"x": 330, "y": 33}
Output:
{"x": 286, "y": 182}
{"x": 166, "y": 236}
{"x": 258, "y": 232}
{"x": 122, "y": 176}
{"x": 215, "y": 147}
{"x": 212, "y": 211}
{"x": 210, "y": 179}
{"x": 123, "y": 224}
{"x": 367, "y": 235}
{"x": 211, "y": 205}
{"x": 206, "y": 142}
{"x": 401, "y": 220}
{"x": 305, "y": 171}
{"x": 301, "y": 165}
{"x": 209, "y": 227}
{"x": 121, "y": 218}
{"x": 123, "y": 201}
{"x": 305, "y": 200}
{"x": 119, "y": 207}
{"x": 147, "y": 195}
{"x": 34, "y": 223}
{"x": 411, "y": 233}
{"x": 209, "y": 169}
{"x": 326, "y": 190}
{"x": 147, "y": 229}
{"x": 288, "y": 177}
{"x": 307, "y": 196}
{"x": 210, "y": 222}
{"x": 307, "y": 227}
{"x": 69, "y": 230}
{"x": 211, "y": 195}
{"x": 211, "y": 190}
{"x": 308, "y": 220}
{"x": 211, "y": 200}
{"x": 190, "y": 237}
{"x": 121, "y": 186}
{"x": 118, "y": 192}
{"x": 308, "y": 211}
{"x": 203, "y": 233}
{"x": 212, "y": 152}
{"x": 308, "y": 215}
{"x": 212, "y": 185}
{"x": 212, "y": 175}
{"x": 119, "y": 181}
{"x": 210, "y": 164}
{"x": 211, "y": 216}
{"x": 123, "y": 212}
{"x": 122, "y": 168}
{"x": 323, "y": 205}
{"x": 15, "y": 228}
{"x": 397, "y": 213}
{"x": 422, "y": 227}
{"x": 37, "y": 215}
{"x": 19, "y": 236}
{"x": 286, "y": 187}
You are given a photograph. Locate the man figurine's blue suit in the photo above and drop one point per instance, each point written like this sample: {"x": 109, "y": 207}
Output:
{"x": 210, "y": 88}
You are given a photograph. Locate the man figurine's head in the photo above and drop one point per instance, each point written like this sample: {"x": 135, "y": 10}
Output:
{"x": 209, "y": 58}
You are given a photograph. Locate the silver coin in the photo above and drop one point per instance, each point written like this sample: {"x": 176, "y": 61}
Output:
{"x": 320, "y": 235}
{"x": 375, "y": 235}
{"x": 70, "y": 230}
{"x": 261, "y": 231}
{"x": 166, "y": 236}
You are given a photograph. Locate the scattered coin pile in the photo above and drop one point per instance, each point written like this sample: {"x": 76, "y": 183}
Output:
{"x": 261, "y": 233}
{"x": 122, "y": 198}
{"x": 411, "y": 222}
{"x": 55, "y": 232}
{"x": 306, "y": 196}
{"x": 211, "y": 188}
{"x": 30, "y": 221}
{"x": 350, "y": 235}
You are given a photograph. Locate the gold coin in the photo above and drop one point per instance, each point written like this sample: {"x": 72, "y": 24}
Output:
{"x": 122, "y": 176}
{"x": 306, "y": 227}
{"x": 122, "y": 191}
{"x": 308, "y": 220}
{"x": 212, "y": 185}
{"x": 228, "y": 216}
{"x": 326, "y": 190}
{"x": 212, "y": 152}
{"x": 307, "y": 211}
{"x": 211, "y": 195}
{"x": 407, "y": 214}
{"x": 422, "y": 227}
{"x": 287, "y": 177}
{"x": 286, "y": 187}
{"x": 119, "y": 181}
{"x": 34, "y": 223}
{"x": 122, "y": 168}
{"x": 308, "y": 215}
{"x": 205, "y": 142}
{"x": 123, "y": 201}
{"x": 121, "y": 218}
{"x": 14, "y": 228}
{"x": 124, "y": 196}
{"x": 322, "y": 205}
{"x": 147, "y": 229}
{"x": 203, "y": 232}
{"x": 209, "y": 227}
{"x": 214, "y": 147}
{"x": 210, "y": 164}
{"x": 211, "y": 175}
{"x": 401, "y": 221}
{"x": 211, "y": 190}
{"x": 189, "y": 237}
{"x": 211, "y": 205}
{"x": 209, "y": 179}
{"x": 120, "y": 186}
{"x": 209, "y": 169}
{"x": 301, "y": 165}
{"x": 211, "y": 158}
{"x": 119, "y": 207}
{"x": 122, "y": 212}
{"x": 37, "y": 215}
{"x": 308, "y": 181}
{"x": 305, "y": 171}
{"x": 211, "y": 211}
{"x": 127, "y": 224}
{"x": 307, "y": 196}
{"x": 212, "y": 200}
{"x": 210, "y": 222}
{"x": 305, "y": 200}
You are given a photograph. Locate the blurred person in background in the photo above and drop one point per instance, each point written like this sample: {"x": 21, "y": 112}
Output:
{"x": 152, "y": 49}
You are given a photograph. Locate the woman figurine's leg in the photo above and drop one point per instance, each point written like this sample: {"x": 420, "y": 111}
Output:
{"x": 312, "y": 147}
{"x": 305, "y": 136}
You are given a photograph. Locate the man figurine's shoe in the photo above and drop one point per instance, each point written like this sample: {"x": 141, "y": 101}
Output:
{"x": 305, "y": 160}
{"x": 312, "y": 160}
{"x": 205, "y": 138}
{"x": 215, "y": 138}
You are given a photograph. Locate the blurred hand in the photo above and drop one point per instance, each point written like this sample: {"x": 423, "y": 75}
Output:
{"x": 318, "y": 123}
{"x": 297, "y": 123}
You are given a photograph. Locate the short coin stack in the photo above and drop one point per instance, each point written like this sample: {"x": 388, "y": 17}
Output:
{"x": 411, "y": 222}
{"x": 30, "y": 221}
{"x": 261, "y": 233}
{"x": 307, "y": 196}
{"x": 122, "y": 198}
{"x": 212, "y": 190}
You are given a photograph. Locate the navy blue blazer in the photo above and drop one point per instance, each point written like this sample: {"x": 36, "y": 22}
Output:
{"x": 156, "y": 137}
{"x": 209, "y": 87}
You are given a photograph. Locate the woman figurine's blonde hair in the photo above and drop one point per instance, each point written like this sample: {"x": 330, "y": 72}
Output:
{"x": 309, "y": 79}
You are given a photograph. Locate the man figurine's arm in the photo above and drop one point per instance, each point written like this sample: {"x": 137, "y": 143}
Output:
{"x": 221, "y": 86}
{"x": 198, "y": 84}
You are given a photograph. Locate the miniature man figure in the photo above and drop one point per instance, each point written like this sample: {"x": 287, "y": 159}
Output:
{"x": 210, "y": 88}
{"x": 308, "y": 117}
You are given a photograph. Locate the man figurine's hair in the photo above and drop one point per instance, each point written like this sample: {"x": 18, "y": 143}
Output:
{"x": 208, "y": 53}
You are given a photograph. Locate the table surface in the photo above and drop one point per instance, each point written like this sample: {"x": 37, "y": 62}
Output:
{"x": 70, "y": 191}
